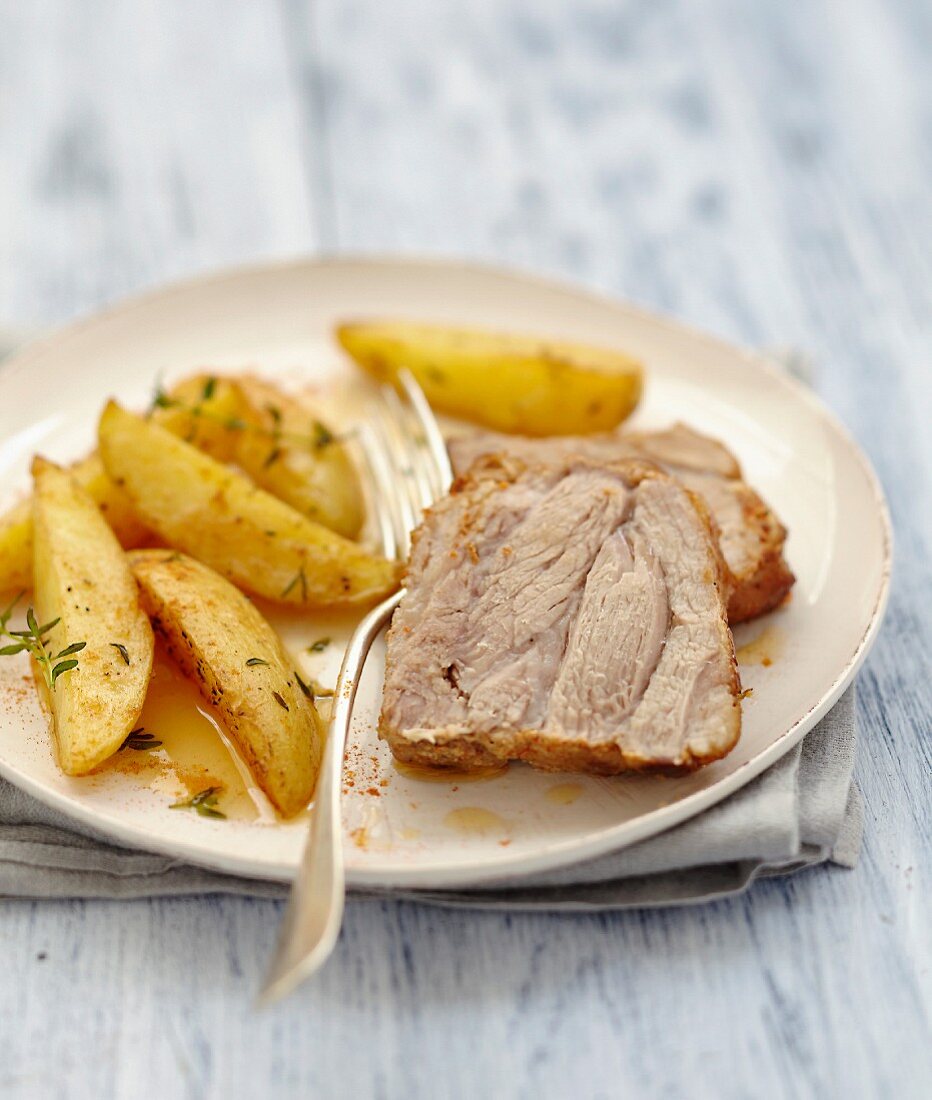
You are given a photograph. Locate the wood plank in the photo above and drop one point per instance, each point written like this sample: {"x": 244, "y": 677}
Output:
{"x": 139, "y": 143}
{"x": 758, "y": 169}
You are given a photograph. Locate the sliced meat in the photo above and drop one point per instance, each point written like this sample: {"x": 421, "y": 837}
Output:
{"x": 678, "y": 446}
{"x": 752, "y": 538}
{"x": 683, "y": 448}
{"x": 568, "y": 614}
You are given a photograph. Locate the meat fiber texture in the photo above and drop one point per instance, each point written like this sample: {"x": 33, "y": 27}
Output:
{"x": 752, "y": 538}
{"x": 571, "y": 615}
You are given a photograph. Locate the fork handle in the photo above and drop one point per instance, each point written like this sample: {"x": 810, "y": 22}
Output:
{"x": 315, "y": 908}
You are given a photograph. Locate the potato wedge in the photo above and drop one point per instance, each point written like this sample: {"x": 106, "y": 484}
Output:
{"x": 521, "y": 384}
{"x": 220, "y": 517}
{"x": 16, "y": 526}
{"x": 16, "y": 548}
{"x": 220, "y": 640}
{"x": 288, "y": 451}
{"x": 204, "y": 410}
{"x": 83, "y": 580}
{"x": 198, "y": 409}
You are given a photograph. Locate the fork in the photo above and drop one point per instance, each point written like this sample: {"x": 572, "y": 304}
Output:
{"x": 408, "y": 467}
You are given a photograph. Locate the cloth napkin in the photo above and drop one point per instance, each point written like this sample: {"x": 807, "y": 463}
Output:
{"x": 804, "y": 810}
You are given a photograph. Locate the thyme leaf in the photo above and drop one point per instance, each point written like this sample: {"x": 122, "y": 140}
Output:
{"x": 64, "y": 666}
{"x": 322, "y": 436}
{"x": 161, "y": 400}
{"x": 141, "y": 740}
{"x": 305, "y": 689}
{"x": 122, "y": 650}
{"x": 253, "y": 661}
{"x": 319, "y": 646}
{"x": 281, "y": 702}
{"x": 298, "y": 578}
{"x": 203, "y": 803}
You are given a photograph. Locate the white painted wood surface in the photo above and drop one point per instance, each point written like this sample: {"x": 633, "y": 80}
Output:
{"x": 761, "y": 169}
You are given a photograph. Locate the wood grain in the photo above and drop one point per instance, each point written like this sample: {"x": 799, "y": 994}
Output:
{"x": 759, "y": 169}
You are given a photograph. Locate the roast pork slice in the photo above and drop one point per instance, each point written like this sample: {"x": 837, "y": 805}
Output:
{"x": 682, "y": 448}
{"x": 567, "y": 614}
{"x": 752, "y": 537}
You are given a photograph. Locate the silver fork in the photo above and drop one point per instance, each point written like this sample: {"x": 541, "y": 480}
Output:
{"x": 407, "y": 463}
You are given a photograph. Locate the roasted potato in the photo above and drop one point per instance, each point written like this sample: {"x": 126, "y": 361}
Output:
{"x": 289, "y": 451}
{"x": 83, "y": 584}
{"x": 220, "y": 517}
{"x": 16, "y": 526}
{"x": 519, "y": 384}
{"x": 205, "y": 411}
{"x": 219, "y": 640}
{"x": 16, "y": 547}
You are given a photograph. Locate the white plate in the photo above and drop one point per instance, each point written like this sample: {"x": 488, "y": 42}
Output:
{"x": 279, "y": 319}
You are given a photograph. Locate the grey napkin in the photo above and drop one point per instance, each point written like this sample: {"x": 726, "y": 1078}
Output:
{"x": 803, "y": 811}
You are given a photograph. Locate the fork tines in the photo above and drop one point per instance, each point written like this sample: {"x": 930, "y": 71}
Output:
{"x": 406, "y": 458}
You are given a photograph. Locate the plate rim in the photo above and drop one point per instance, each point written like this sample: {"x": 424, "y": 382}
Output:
{"x": 557, "y": 855}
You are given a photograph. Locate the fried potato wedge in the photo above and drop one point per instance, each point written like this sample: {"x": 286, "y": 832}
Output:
{"x": 220, "y": 517}
{"x": 16, "y": 526}
{"x": 287, "y": 450}
{"x": 221, "y": 642}
{"x": 519, "y": 384}
{"x": 203, "y": 410}
{"x": 84, "y": 584}
{"x": 16, "y": 547}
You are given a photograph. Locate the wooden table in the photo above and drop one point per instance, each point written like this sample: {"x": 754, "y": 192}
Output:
{"x": 760, "y": 169}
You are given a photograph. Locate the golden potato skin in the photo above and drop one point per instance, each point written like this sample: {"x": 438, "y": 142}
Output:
{"x": 218, "y": 516}
{"x": 83, "y": 579}
{"x": 518, "y": 384}
{"x": 288, "y": 451}
{"x": 221, "y": 642}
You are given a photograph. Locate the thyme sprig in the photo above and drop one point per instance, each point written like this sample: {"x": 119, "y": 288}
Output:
{"x": 34, "y": 641}
{"x": 203, "y": 803}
